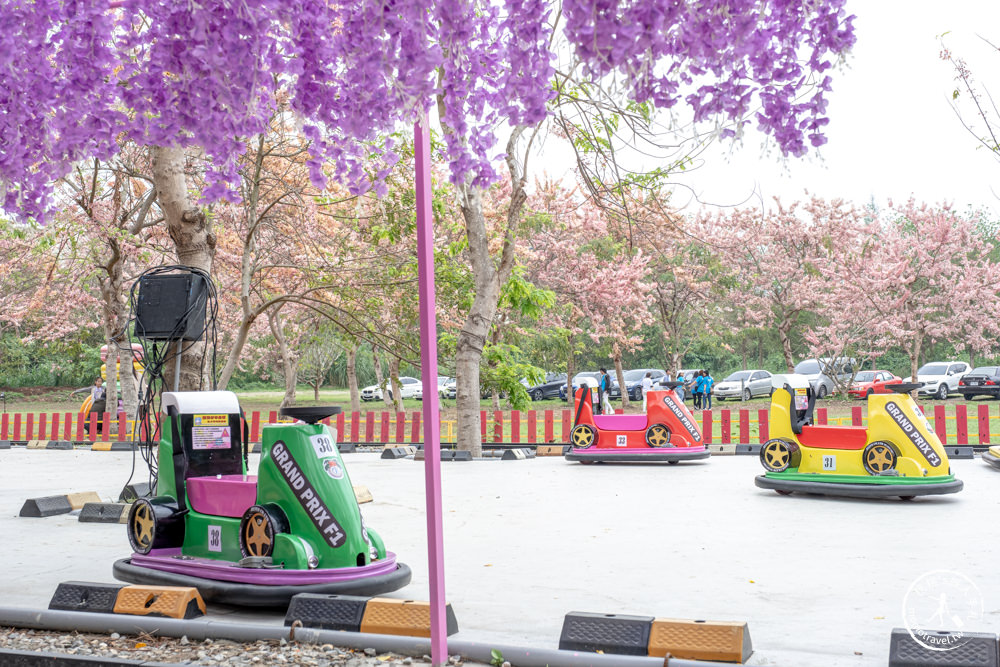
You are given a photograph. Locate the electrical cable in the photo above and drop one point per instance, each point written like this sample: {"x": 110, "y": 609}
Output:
{"x": 157, "y": 353}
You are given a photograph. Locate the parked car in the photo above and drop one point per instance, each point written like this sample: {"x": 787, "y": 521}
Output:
{"x": 589, "y": 378}
{"x": 743, "y": 385}
{"x": 409, "y": 387}
{"x": 633, "y": 382}
{"x": 867, "y": 383}
{"x": 982, "y": 381}
{"x": 824, "y": 373}
{"x": 548, "y": 389}
{"x": 446, "y": 387}
{"x": 940, "y": 378}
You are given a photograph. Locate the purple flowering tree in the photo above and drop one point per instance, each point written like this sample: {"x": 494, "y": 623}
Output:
{"x": 174, "y": 75}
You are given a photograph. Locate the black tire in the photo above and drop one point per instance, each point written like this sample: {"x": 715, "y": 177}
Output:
{"x": 747, "y": 395}
{"x": 778, "y": 455}
{"x": 536, "y": 395}
{"x": 870, "y": 392}
{"x": 155, "y": 523}
{"x": 879, "y": 456}
{"x": 821, "y": 391}
{"x": 658, "y": 435}
{"x": 942, "y": 392}
{"x": 583, "y": 436}
{"x": 258, "y": 528}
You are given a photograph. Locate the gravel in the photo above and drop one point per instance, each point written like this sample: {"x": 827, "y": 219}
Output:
{"x": 208, "y": 652}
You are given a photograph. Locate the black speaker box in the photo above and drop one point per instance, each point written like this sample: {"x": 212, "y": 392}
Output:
{"x": 171, "y": 306}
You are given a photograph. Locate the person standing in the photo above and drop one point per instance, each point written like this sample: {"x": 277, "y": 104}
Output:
{"x": 604, "y": 393}
{"x": 679, "y": 390}
{"x": 98, "y": 398}
{"x": 647, "y": 386}
{"x": 709, "y": 381}
{"x": 699, "y": 389}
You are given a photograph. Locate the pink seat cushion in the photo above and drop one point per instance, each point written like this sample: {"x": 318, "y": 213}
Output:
{"x": 620, "y": 422}
{"x": 225, "y": 495}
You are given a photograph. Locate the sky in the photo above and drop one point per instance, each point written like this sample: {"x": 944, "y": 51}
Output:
{"x": 892, "y": 132}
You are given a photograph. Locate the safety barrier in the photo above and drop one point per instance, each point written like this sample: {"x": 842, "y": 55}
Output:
{"x": 954, "y": 424}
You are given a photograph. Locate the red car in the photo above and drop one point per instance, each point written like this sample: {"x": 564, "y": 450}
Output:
{"x": 867, "y": 383}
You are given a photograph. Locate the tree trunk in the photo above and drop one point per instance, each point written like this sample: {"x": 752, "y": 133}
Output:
{"x": 315, "y": 385}
{"x": 570, "y": 369}
{"x": 352, "y": 376}
{"x": 620, "y": 374}
{"x": 380, "y": 377}
{"x": 786, "y": 346}
{"x": 233, "y": 360}
{"x": 918, "y": 343}
{"x": 397, "y": 389}
{"x": 194, "y": 244}
{"x": 288, "y": 365}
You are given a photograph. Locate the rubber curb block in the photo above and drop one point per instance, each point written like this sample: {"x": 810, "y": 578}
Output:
{"x": 942, "y": 648}
{"x": 134, "y": 491}
{"x": 78, "y": 500}
{"x": 11, "y": 658}
{"x": 4, "y": 444}
{"x": 113, "y": 446}
{"x": 255, "y": 448}
{"x": 398, "y": 452}
{"x": 752, "y": 450}
{"x": 104, "y": 513}
{"x": 374, "y": 615}
{"x": 447, "y": 455}
{"x": 722, "y": 450}
{"x": 362, "y": 494}
{"x": 552, "y": 450}
{"x": 959, "y": 452}
{"x": 347, "y": 447}
{"x": 47, "y": 506}
{"x": 517, "y": 454}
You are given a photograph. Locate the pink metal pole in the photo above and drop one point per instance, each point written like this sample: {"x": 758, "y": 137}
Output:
{"x": 428, "y": 365}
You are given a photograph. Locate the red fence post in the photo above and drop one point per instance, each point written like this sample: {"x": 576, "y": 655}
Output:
{"x": 369, "y": 426}
{"x": 744, "y": 426}
{"x": 706, "y": 426}
{"x": 17, "y": 427}
{"x": 497, "y": 426}
{"x": 55, "y": 426}
{"x": 255, "y": 426}
{"x": 79, "y": 426}
{"x": 940, "y": 425}
{"x": 566, "y": 426}
{"x": 856, "y": 415}
{"x": 93, "y": 426}
{"x": 106, "y": 425}
{"x": 341, "y": 429}
{"x": 763, "y": 429}
{"x": 30, "y": 428}
{"x": 384, "y": 435}
{"x": 4, "y": 426}
{"x": 355, "y": 427}
{"x": 42, "y": 426}
{"x": 515, "y": 426}
{"x": 961, "y": 425}
{"x": 532, "y": 426}
{"x": 400, "y": 427}
{"x": 415, "y": 432}
{"x": 984, "y": 425}
{"x": 550, "y": 426}
{"x": 272, "y": 417}
{"x": 122, "y": 426}
{"x": 820, "y": 416}
{"x": 482, "y": 425}
{"x": 725, "y": 427}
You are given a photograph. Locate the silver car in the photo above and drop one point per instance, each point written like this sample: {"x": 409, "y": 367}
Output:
{"x": 744, "y": 385}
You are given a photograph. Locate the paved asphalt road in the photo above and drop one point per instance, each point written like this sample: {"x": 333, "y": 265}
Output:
{"x": 821, "y": 581}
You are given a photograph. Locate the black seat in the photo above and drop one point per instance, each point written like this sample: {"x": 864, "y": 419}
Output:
{"x": 906, "y": 387}
{"x": 802, "y": 418}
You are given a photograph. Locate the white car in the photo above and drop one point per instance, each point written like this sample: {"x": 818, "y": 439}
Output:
{"x": 940, "y": 378}
{"x": 409, "y": 387}
{"x": 743, "y": 385}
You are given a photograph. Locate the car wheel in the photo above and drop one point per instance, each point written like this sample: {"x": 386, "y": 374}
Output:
{"x": 258, "y": 528}
{"x": 870, "y": 392}
{"x": 821, "y": 391}
{"x": 747, "y": 395}
{"x": 779, "y": 455}
{"x": 658, "y": 435}
{"x": 536, "y": 395}
{"x": 942, "y": 391}
{"x": 583, "y": 436}
{"x": 155, "y": 523}
{"x": 879, "y": 457}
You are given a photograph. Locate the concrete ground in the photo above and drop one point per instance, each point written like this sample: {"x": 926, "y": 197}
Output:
{"x": 821, "y": 581}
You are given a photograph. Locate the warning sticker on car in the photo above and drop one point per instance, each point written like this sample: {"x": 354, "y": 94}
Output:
{"x": 211, "y": 437}
{"x": 211, "y": 420}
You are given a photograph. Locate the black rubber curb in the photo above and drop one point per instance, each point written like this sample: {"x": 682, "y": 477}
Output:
{"x": 12, "y": 658}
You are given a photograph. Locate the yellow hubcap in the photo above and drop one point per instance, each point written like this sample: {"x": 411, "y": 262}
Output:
{"x": 658, "y": 436}
{"x": 142, "y": 525}
{"x": 258, "y": 538}
{"x": 582, "y": 436}
{"x": 880, "y": 458}
{"x": 777, "y": 455}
